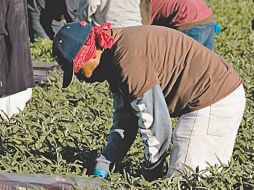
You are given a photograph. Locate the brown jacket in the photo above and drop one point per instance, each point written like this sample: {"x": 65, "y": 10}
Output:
{"x": 191, "y": 76}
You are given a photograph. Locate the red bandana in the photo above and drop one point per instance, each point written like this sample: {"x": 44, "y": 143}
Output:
{"x": 87, "y": 51}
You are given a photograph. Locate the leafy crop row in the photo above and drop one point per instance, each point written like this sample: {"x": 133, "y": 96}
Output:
{"x": 60, "y": 131}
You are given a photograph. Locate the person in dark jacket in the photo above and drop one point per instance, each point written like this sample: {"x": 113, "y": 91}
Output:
{"x": 57, "y": 13}
{"x": 46, "y": 17}
{"x": 35, "y": 8}
{"x": 16, "y": 73}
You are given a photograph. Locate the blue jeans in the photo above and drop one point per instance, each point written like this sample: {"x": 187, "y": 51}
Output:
{"x": 36, "y": 25}
{"x": 203, "y": 34}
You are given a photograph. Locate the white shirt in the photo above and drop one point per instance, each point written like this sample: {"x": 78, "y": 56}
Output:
{"x": 120, "y": 13}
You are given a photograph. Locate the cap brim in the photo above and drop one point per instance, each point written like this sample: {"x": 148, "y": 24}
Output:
{"x": 67, "y": 75}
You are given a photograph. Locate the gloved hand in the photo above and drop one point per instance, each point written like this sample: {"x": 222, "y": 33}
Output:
{"x": 102, "y": 167}
{"x": 100, "y": 173}
{"x": 154, "y": 171}
{"x": 217, "y": 27}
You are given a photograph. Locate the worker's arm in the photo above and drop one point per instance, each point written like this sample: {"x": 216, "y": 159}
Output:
{"x": 155, "y": 128}
{"x": 121, "y": 137}
{"x": 149, "y": 115}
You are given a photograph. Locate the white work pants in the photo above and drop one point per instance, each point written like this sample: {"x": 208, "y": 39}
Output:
{"x": 207, "y": 135}
{"x": 14, "y": 104}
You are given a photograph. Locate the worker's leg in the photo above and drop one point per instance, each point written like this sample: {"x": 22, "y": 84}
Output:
{"x": 203, "y": 34}
{"x": 14, "y": 104}
{"x": 38, "y": 30}
{"x": 207, "y": 135}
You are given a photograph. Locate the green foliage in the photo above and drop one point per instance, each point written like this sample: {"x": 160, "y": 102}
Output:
{"x": 41, "y": 50}
{"x": 60, "y": 131}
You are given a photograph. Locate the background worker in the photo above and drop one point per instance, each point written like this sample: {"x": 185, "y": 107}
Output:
{"x": 57, "y": 13}
{"x": 117, "y": 12}
{"x": 35, "y": 8}
{"x": 193, "y": 18}
{"x": 16, "y": 73}
{"x": 155, "y": 73}
{"x": 46, "y": 17}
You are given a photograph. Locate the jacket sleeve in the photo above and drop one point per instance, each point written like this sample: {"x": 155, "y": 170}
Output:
{"x": 148, "y": 115}
{"x": 154, "y": 124}
{"x": 87, "y": 8}
{"x": 124, "y": 129}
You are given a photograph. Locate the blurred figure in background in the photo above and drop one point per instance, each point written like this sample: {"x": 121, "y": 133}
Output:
{"x": 16, "y": 74}
{"x": 57, "y": 13}
{"x": 193, "y": 18}
{"x": 71, "y": 10}
{"x": 118, "y": 13}
{"x": 35, "y": 8}
{"x": 46, "y": 17}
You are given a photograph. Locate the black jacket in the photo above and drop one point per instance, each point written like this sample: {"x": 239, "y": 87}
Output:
{"x": 16, "y": 72}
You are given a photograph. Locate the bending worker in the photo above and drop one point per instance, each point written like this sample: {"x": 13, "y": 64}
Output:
{"x": 156, "y": 73}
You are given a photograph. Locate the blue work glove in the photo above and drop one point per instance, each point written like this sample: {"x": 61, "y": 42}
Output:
{"x": 217, "y": 27}
{"x": 102, "y": 167}
{"x": 100, "y": 173}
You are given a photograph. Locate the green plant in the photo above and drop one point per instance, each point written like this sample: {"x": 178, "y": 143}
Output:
{"x": 60, "y": 131}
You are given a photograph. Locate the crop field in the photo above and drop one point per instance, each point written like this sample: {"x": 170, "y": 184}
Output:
{"x": 60, "y": 132}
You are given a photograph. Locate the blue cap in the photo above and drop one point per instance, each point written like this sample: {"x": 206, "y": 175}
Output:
{"x": 66, "y": 44}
